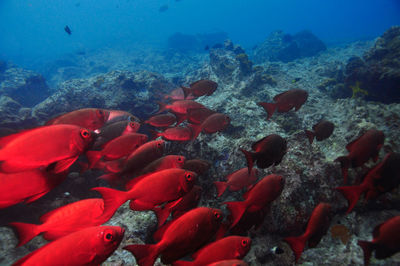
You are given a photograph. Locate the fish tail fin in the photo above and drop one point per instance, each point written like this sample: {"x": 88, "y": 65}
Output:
{"x": 221, "y": 187}
{"x": 162, "y": 107}
{"x": 112, "y": 178}
{"x": 310, "y": 136}
{"x": 352, "y": 194}
{"x": 26, "y": 232}
{"x": 186, "y": 91}
{"x": 153, "y": 134}
{"x": 297, "y": 245}
{"x": 162, "y": 215}
{"x": 237, "y": 209}
{"x": 345, "y": 164}
{"x": 268, "y": 107}
{"x": 196, "y": 129}
{"x": 113, "y": 199}
{"x": 145, "y": 255}
{"x": 93, "y": 157}
{"x": 249, "y": 158}
{"x": 367, "y": 248}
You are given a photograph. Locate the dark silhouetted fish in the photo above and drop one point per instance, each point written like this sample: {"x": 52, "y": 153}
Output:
{"x": 322, "y": 130}
{"x": 67, "y": 30}
{"x": 386, "y": 241}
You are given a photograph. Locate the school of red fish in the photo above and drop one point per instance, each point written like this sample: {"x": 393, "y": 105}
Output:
{"x": 34, "y": 161}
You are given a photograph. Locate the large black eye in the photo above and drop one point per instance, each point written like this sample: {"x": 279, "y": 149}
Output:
{"x": 85, "y": 133}
{"x": 189, "y": 177}
{"x": 217, "y": 215}
{"x": 108, "y": 237}
{"x": 244, "y": 243}
{"x": 100, "y": 113}
{"x": 179, "y": 159}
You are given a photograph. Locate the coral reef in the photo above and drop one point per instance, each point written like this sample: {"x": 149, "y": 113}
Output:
{"x": 378, "y": 72}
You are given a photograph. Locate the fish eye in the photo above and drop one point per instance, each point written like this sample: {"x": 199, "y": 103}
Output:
{"x": 188, "y": 177}
{"x": 244, "y": 243}
{"x": 100, "y": 113}
{"x": 85, "y": 133}
{"x": 217, "y": 215}
{"x": 179, "y": 159}
{"x": 131, "y": 124}
{"x": 108, "y": 236}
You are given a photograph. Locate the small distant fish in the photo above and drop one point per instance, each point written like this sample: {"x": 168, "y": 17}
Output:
{"x": 386, "y": 240}
{"x": 267, "y": 151}
{"x": 285, "y": 101}
{"x": 361, "y": 150}
{"x": 237, "y": 180}
{"x": 322, "y": 130}
{"x": 165, "y": 162}
{"x": 163, "y": 8}
{"x": 214, "y": 123}
{"x": 114, "y": 130}
{"x": 317, "y": 227}
{"x": 198, "y": 115}
{"x": 295, "y": 80}
{"x": 174, "y": 134}
{"x": 200, "y": 88}
{"x": 67, "y": 30}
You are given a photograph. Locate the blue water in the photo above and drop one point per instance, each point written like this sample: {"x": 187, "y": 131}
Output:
{"x": 33, "y": 30}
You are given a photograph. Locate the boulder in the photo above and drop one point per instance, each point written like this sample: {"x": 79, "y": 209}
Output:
{"x": 285, "y": 47}
{"x": 24, "y": 86}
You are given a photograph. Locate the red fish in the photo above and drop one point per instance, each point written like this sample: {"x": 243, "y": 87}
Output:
{"x": 237, "y": 180}
{"x": 200, "y": 88}
{"x": 229, "y": 263}
{"x": 174, "y": 134}
{"x": 380, "y": 179}
{"x": 285, "y": 101}
{"x": 231, "y": 247}
{"x": 63, "y": 221}
{"x": 267, "y": 151}
{"x": 249, "y": 220}
{"x": 149, "y": 191}
{"x": 90, "y": 118}
{"x": 59, "y": 145}
{"x": 162, "y": 120}
{"x": 14, "y": 188}
{"x": 386, "y": 240}
{"x": 89, "y": 246}
{"x": 137, "y": 160}
{"x": 214, "y": 123}
{"x": 322, "y": 130}
{"x": 117, "y": 148}
{"x": 197, "y": 165}
{"x": 114, "y": 130}
{"x": 317, "y": 227}
{"x": 188, "y": 202}
{"x": 177, "y": 94}
{"x": 361, "y": 150}
{"x": 261, "y": 195}
{"x": 165, "y": 162}
{"x": 198, "y": 115}
{"x": 180, "y": 108}
{"x": 181, "y": 237}
{"x": 118, "y": 115}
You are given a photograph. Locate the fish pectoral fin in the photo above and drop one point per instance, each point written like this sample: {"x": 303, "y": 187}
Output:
{"x": 35, "y": 197}
{"x": 137, "y": 205}
{"x": 63, "y": 165}
{"x": 172, "y": 204}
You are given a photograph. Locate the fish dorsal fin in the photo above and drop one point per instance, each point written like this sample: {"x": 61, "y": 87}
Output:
{"x": 194, "y": 83}
{"x": 277, "y": 97}
{"x": 135, "y": 180}
{"x": 63, "y": 165}
{"x": 377, "y": 228}
{"x": 51, "y": 121}
{"x": 7, "y": 139}
{"x": 349, "y": 146}
{"x": 257, "y": 145}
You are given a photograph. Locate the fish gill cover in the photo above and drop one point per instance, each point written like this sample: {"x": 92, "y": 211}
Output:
{"x": 274, "y": 120}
